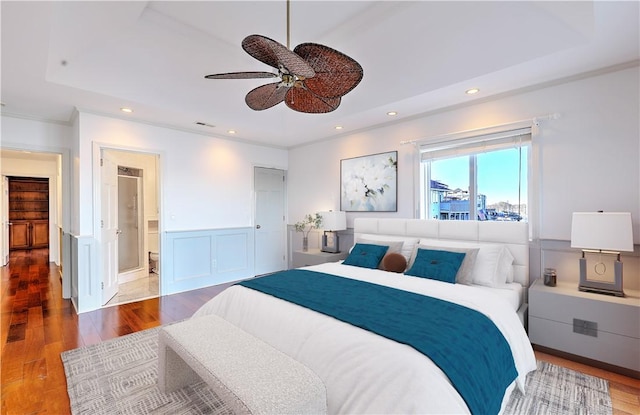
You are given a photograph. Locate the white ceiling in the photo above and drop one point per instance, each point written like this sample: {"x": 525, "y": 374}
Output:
{"x": 417, "y": 57}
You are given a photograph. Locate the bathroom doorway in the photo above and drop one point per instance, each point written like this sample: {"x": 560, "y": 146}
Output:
{"x": 135, "y": 201}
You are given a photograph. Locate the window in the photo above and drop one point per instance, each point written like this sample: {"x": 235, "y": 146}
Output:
{"x": 491, "y": 170}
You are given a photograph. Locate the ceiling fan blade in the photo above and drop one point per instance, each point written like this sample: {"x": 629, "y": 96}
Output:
{"x": 303, "y": 100}
{"x": 277, "y": 55}
{"x": 336, "y": 73}
{"x": 241, "y": 75}
{"x": 266, "y": 96}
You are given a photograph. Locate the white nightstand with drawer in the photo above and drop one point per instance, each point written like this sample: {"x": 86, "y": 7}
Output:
{"x": 595, "y": 326}
{"x": 315, "y": 257}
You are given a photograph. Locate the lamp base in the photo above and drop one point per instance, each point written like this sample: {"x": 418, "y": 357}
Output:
{"x": 330, "y": 242}
{"x": 601, "y": 287}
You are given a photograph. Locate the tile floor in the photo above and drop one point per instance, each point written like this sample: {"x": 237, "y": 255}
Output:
{"x": 136, "y": 290}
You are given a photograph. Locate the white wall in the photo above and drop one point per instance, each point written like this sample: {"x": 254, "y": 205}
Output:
{"x": 206, "y": 183}
{"x": 23, "y": 134}
{"x": 588, "y": 158}
{"x": 34, "y": 135}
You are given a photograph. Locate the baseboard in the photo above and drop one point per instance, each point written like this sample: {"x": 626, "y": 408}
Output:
{"x": 590, "y": 362}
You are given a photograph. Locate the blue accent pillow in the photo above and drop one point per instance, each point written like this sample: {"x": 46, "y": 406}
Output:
{"x": 436, "y": 265}
{"x": 366, "y": 255}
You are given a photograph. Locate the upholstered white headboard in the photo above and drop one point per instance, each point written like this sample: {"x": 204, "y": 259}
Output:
{"x": 515, "y": 235}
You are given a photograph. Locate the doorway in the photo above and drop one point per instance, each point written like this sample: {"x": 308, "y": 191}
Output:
{"x": 129, "y": 210}
{"x": 44, "y": 166}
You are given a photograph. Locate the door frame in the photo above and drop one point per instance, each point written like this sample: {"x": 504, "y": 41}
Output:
{"x": 61, "y": 204}
{"x": 98, "y": 147}
{"x": 4, "y": 221}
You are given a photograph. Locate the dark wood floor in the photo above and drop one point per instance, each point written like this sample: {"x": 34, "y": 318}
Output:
{"x": 37, "y": 325}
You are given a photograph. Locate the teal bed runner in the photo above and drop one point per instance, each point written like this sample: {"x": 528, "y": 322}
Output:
{"x": 464, "y": 343}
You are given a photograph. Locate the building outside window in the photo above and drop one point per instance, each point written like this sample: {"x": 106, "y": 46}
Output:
{"x": 491, "y": 170}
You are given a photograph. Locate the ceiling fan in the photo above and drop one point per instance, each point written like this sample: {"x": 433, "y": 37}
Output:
{"x": 313, "y": 77}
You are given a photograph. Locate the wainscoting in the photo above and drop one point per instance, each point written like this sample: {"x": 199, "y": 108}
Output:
{"x": 189, "y": 260}
{"x": 196, "y": 259}
{"x": 83, "y": 269}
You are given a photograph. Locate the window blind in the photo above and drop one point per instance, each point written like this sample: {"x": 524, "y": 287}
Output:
{"x": 475, "y": 144}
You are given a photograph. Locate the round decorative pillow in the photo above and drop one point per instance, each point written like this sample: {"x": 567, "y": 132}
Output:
{"x": 394, "y": 262}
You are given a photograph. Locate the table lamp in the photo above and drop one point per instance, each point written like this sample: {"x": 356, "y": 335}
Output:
{"x": 332, "y": 222}
{"x": 601, "y": 233}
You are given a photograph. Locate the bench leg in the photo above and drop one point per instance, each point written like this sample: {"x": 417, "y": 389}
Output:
{"x": 173, "y": 372}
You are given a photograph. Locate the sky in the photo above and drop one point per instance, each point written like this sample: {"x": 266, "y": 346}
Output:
{"x": 497, "y": 175}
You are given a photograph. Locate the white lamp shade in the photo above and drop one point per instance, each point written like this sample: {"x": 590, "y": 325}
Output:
{"x": 609, "y": 231}
{"x": 334, "y": 221}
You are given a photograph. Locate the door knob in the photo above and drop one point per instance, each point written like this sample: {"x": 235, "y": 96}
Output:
{"x": 258, "y": 226}
{"x": 118, "y": 231}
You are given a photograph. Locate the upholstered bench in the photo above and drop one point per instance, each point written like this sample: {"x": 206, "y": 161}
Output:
{"x": 249, "y": 375}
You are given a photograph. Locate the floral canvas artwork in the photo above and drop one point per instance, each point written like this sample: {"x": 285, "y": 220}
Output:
{"x": 369, "y": 183}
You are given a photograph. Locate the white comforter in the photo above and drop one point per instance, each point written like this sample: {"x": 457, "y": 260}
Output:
{"x": 364, "y": 372}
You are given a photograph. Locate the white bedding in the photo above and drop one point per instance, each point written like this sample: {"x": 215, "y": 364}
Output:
{"x": 364, "y": 372}
{"x": 512, "y": 293}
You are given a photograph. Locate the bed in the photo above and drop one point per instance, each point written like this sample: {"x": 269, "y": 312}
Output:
{"x": 366, "y": 372}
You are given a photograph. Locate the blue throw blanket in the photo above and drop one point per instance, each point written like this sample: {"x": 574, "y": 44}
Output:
{"x": 464, "y": 343}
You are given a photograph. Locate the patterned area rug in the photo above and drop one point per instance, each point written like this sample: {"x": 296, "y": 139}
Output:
{"x": 119, "y": 376}
{"x": 553, "y": 389}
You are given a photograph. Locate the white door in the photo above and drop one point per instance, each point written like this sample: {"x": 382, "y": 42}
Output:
{"x": 4, "y": 221}
{"x": 269, "y": 222}
{"x": 109, "y": 226}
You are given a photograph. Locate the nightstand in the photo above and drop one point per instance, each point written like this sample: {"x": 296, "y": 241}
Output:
{"x": 315, "y": 257}
{"x": 595, "y": 326}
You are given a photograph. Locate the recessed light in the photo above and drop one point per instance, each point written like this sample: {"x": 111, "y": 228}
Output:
{"x": 392, "y": 113}
{"x": 127, "y": 110}
{"x": 338, "y": 127}
{"x": 472, "y": 91}
{"x": 231, "y": 131}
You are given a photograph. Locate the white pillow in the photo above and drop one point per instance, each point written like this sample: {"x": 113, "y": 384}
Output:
{"x": 487, "y": 269}
{"x": 394, "y": 246}
{"x": 492, "y": 265}
{"x": 408, "y": 244}
{"x": 506, "y": 266}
